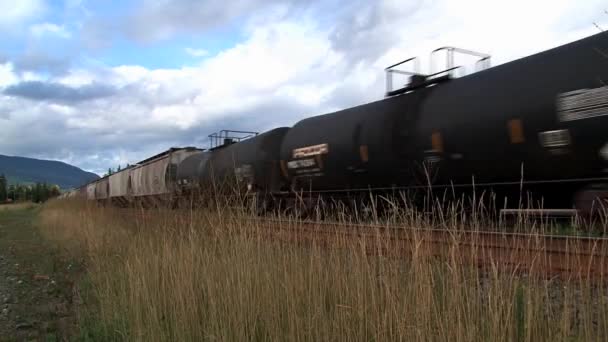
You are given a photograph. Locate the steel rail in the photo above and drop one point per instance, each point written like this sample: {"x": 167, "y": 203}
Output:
{"x": 456, "y": 185}
{"x": 551, "y": 255}
{"x": 349, "y": 225}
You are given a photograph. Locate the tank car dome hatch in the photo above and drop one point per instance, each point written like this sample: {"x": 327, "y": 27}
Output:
{"x": 419, "y": 80}
{"x": 228, "y": 137}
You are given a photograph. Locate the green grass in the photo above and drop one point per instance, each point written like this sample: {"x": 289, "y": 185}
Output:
{"x": 19, "y": 236}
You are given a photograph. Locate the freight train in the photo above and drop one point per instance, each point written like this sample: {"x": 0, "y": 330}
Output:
{"x": 537, "y": 125}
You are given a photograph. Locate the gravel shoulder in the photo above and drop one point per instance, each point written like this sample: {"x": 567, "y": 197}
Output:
{"x": 36, "y": 288}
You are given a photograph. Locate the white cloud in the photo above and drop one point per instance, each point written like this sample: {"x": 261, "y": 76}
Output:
{"x": 157, "y": 20}
{"x": 49, "y": 29}
{"x": 393, "y": 31}
{"x": 7, "y": 76}
{"x": 15, "y": 12}
{"x": 196, "y": 52}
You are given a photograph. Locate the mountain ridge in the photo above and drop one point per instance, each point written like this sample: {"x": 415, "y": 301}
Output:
{"x": 32, "y": 170}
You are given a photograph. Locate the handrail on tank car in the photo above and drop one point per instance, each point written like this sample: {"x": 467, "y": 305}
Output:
{"x": 484, "y": 61}
{"x": 423, "y": 81}
{"x": 226, "y": 137}
{"x": 390, "y": 71}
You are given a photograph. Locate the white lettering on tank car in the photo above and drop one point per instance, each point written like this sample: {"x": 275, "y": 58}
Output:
{"x": 310, "y": 151}
{"x": 557, "y": 138}
{"x": 308, "y": 171}
{"x": 582, "y": 104}
{"x": 244, "y": 172}
{"x": 301, "y": 163}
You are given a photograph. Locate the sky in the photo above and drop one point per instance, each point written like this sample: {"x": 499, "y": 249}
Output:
{"x": 99, "y": 84}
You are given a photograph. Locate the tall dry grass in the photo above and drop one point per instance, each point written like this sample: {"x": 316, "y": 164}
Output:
{"x": 213, "y": 274}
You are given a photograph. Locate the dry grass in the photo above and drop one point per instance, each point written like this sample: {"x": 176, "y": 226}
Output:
{"x": 17, "y": 206}
{"x": 192, "y": 275}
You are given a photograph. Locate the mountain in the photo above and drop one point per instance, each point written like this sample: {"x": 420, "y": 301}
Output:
{"x": 29, "y": 170}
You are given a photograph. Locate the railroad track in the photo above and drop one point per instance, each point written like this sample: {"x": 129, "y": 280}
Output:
{"x": 528, "y": 253}
{"x": 537, "y": 254}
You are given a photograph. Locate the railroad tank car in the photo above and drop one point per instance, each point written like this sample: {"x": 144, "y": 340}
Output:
{"x": 542, "y": 117}
{"x": 190, "y": 170}
{"x": 252, "y": 163}
{"x": 351, "y": 148}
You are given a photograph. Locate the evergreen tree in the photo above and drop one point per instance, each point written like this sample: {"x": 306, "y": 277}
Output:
{"x": 44, "y": 192}
{"x": 37, "y": 193}
{"x": 26, "y": 192}
{"x": 12, "y": 192}
{"x": 54, "y": 191}
{"x": 3, "y": 189}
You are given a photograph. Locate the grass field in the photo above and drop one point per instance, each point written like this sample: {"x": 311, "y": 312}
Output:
{"x": 16, "y": 206}
{"x": 35, "y": 280}
{"x": 192, "y": 275}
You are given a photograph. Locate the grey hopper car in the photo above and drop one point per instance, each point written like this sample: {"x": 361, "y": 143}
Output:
{"x": 102, "y": 189}
{"x": 157, "y": 175}
{"x": 120, "y": 183}
{"x": 90, "y": 191}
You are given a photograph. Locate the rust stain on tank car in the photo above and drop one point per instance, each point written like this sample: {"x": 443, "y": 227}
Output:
{"x": 284, "y": 169}
{"x": 364, "y": 153}
{"x": 437, "y": 141}
{"x": 516, "y": 131}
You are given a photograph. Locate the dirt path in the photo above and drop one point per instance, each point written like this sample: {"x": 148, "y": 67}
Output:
{"x": 35, "y": 287}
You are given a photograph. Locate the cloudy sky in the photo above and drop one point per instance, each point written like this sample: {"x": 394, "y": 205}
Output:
{"x": 102, "y": 83}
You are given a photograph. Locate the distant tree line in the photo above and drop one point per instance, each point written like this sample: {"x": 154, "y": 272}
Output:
{"x": 39, "y": 192}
